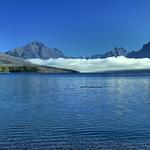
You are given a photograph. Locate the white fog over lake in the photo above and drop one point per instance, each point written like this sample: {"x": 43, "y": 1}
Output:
{"x": 96, "y": 65}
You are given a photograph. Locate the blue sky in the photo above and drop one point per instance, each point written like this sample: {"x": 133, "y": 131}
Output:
{"x": 78, "y": 27}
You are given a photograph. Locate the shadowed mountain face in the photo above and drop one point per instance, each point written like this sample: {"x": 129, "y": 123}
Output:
{"x": 36, "y": 50}
{"x": 142, "y": 53}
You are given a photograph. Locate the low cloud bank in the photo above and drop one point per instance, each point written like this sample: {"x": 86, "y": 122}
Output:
{"x": 96, "y": 65}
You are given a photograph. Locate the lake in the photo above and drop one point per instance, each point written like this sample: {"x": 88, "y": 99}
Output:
{"x": 74, "y": 111}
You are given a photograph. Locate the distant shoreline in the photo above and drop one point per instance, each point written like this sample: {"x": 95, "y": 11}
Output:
{"x": 51, "y": 70}
{"x": 33, "y": 69}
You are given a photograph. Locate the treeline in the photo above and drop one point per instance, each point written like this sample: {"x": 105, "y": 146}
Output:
{"x": 19, "y": 69}
{"x": 4, "y": 69}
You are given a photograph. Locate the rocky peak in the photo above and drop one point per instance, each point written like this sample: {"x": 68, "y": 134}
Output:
{"x": 36, "y": 43}
{"x": 116, "y": 52}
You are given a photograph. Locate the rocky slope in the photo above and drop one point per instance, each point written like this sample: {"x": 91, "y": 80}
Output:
{"x": 14, "y": 64}
{"x": 12, "y": 61}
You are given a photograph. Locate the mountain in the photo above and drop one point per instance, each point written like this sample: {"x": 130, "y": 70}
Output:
{"x": 113, "y": 53}
{"x": 36, "y": 49}
{"x": 142, "y": 53}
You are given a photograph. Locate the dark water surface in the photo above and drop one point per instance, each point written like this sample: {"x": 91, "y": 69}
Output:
{"x": 41, "y": 111}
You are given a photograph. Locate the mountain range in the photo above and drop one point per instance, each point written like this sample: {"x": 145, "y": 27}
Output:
{"x": 15, "y": 60}
{"x": 37, "y": 49}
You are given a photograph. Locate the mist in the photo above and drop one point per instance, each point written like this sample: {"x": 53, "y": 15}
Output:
{"x": 96, "y": 65}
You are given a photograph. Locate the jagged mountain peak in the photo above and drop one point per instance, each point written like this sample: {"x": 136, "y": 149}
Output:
{"x": 117, "y": 51}
{"x": 36, "y": 43}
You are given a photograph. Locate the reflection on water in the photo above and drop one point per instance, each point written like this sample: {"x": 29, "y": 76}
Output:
{"x": 54, "y": 112}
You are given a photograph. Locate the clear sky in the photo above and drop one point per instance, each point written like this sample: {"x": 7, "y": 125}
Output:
{"x": 78, "y": 27}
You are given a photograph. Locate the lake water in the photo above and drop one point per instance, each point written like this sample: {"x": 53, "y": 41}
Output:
{"x": 82, "y": 111}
